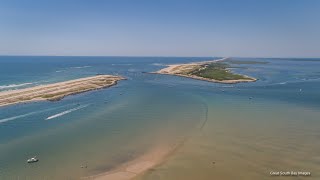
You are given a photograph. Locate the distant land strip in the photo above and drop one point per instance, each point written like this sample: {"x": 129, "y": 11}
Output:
{"x": 213, "y": 71}
{"x": 57, "y": 91}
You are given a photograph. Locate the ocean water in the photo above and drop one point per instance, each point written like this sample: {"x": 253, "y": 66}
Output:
{"x": 239, "y": 131}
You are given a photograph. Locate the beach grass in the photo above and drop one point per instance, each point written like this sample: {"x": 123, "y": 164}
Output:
{"x": 217, "y": 71}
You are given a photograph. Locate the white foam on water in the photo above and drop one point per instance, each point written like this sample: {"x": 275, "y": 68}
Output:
{"x": 121, "y": 64}
{"x": 297, "y": 81}
{"x": 231, "y": 86}
{"x": 157, "y": 64}
{"x": 79, "y": 67}
{"x": 15, "y": 85}
{"x": 66, "y": 112}
{"x": 283, "y": 82}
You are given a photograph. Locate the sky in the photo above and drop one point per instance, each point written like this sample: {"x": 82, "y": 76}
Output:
{"x": 241, "y": 28}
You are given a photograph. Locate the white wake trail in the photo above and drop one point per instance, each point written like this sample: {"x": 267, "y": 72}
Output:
{"x": 66, "y": 112}
{"x": 17, "y": 117}
{"x": 27, "y": 114}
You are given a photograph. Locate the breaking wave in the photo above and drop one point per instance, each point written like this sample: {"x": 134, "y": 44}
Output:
{"x": 14, "y": 85}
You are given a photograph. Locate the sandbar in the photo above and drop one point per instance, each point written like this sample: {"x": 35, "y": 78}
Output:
{"x": 137, "y": 166}
{"x": 57, "y": 91}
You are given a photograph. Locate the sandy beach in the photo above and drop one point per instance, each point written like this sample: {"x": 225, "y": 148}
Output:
{"x": 183, "y": 69}
{"x": 57, "y": 91}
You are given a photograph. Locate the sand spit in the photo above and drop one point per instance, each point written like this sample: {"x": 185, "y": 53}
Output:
{"x": 57, "y": 91}
{"x": 183, "y": 69}
{"x": 137, "y": 166}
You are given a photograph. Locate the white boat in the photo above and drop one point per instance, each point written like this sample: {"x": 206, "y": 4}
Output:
{"x": 32, "y": 160}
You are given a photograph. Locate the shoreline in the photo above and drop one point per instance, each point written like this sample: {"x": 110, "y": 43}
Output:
{"x": 172, "y": 70}
{"x": 210, "y": 80}
{"x": 57, "y": 91}
{"x": 137, "y": 167}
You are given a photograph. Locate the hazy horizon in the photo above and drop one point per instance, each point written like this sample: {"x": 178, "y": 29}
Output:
{"x": 247, "y": 28}
{"x": 155, "y": 56}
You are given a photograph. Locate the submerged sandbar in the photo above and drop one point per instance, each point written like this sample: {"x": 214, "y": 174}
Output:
{"x": 213, "y": 71}
{"x": 57, "y": 91}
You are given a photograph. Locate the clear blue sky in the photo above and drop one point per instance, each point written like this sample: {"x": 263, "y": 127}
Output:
{"x": 249, "y": 28}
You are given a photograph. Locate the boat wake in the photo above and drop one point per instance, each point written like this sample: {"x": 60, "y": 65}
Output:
{"x": 27, "y": 114}
{"x": 66, "y": 112}
{"x": 17, "y": 117}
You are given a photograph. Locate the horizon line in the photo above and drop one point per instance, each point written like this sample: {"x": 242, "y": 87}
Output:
{"x": 164, "y": 56}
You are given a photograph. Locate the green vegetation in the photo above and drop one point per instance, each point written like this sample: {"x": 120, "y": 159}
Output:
{"x": 63, "y": 93}
{"x": 217, "y": 71}
{"x": 48, "y": 96}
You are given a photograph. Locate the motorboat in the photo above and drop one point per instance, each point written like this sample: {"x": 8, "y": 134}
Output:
{"x": 32, "y": 160}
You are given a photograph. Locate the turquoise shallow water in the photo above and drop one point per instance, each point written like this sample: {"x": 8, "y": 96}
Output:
{"x": 245, "y": 139}
{"x": 109, "y": 127}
